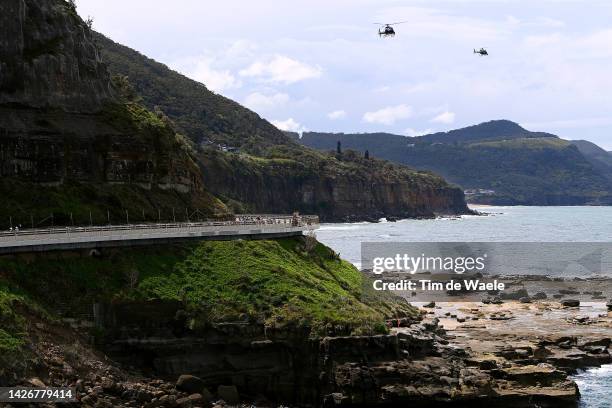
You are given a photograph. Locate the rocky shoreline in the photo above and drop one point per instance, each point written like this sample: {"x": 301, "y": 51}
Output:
{"x": 457, "y": 354}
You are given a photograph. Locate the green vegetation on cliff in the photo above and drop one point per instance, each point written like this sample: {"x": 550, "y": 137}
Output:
{"x": 11, "y": 323}
{"x": 72, "y": 141}
{"x": 141, "y": 170}
{"x": 293, "y": 281}
{"x": 337, "y": 187}
{"x": 272, "y": 172}
{"x": 197, "y": 112}
{"x": 515, "y": 165}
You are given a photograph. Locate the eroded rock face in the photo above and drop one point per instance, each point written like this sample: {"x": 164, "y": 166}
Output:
{"x": 48, "y": 58}
{"x": 60, "y": 117}
{"x": 334, "y": 195}
{"x": 416, "y": 364}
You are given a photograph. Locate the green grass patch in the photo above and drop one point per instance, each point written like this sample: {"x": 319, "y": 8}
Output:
{"x": 273, "y": 282}
{"x": 525, "y": 143}
{"x": 9, "y": 343}
{"x": 12, "y": 324}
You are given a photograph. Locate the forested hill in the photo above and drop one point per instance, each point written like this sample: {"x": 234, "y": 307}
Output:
{"x": 497, "y": 162}
{"x": 599, "y": 158}
{"x": 492, "y": 130}
{"x": 254, "y": 167}
{"x": 196, "y": 111}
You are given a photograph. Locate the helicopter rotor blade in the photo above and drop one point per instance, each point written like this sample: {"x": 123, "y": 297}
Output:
{"x": 390, "y": 24}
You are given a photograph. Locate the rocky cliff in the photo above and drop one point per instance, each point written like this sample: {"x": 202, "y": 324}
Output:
{"x": 63, "y": 124}
{"x": 272, "y": 172}
{"x": 499, "y": 162}
{"x": 338, "y": 188}
{"x": 48, "y": 58}
{"x": 276, "y": 323}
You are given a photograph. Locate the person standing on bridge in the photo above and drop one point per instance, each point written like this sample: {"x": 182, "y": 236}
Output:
{"x": 295, "y": 220}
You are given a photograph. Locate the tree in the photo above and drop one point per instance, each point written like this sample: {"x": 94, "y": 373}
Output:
{"x": 89, "y": 22}
{"x": 123, "y": 85}
{"x": 339, "y": 148}
{"x": 367, "y": 155}
{"x": 72, "y": 4}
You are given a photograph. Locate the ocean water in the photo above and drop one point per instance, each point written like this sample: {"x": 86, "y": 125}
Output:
{"x": 502, "y": 224}
{"x": 595, "y": 386}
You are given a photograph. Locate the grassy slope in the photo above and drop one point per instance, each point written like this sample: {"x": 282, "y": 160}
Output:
{"x": 274, "y": 282}
{"x": 11, "y": 324}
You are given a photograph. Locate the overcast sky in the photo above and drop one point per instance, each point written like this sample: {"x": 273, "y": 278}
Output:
{"x": 319, "y": 64}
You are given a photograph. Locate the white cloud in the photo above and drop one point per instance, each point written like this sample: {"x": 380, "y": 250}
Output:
{"x": 549, "y": 22}
{"x": 389, "y": 115}
{"x": 282, "y": 69}
{"x": 289, "y": 125}
{"x": 513, "y": 20}
{"x": 383, "y": 88}
{"x": 414, "y": 132}
{"x": 202, "y": 70}
{"x": 539, "y": 22}
{"x": 337, "y": 114}
{"x": 258, "y": 101}
{"x": 445, "y": 117}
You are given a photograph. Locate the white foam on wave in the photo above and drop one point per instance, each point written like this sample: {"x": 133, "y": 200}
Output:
{"x": 341, "y": 227}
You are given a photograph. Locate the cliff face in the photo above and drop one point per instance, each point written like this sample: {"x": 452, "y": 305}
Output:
{"x": 510, "y": 164}
{"x": 337, "y": 190}
{"x": 62, "y": 122}
{"x": 48, "y": 58}
{"x": 273, "y": 173}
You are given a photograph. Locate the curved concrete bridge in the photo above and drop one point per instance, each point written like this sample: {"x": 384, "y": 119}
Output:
{"x": 66, "y": 238}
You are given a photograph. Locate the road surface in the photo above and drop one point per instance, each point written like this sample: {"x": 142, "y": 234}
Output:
{"x": 66, "y": 238}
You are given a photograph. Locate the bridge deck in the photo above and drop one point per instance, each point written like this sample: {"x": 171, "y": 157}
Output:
{"x": 258, "y": 227}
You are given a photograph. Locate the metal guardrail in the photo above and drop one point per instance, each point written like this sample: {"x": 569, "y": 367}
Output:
{"x": 263, "y": 223}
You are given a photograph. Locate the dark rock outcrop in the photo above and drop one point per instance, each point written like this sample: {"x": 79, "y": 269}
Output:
{"x": 62, "y": 122}
{"x": 363, "y": 193}
{"x": 48, "y": 58}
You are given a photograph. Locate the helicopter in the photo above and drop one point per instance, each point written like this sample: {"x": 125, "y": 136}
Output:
{"x": 482, "y": 52}
{"x": 387, "y": 30}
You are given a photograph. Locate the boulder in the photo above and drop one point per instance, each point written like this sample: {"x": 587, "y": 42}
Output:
{"x": 539, "y": 296}
{"x": 570, "y": 303}
{"x": 190, "y": 384}
{"x": 541, "y": 353}
{"x": 531, "y": 375}
{"x": 516, "y": 295}
{"x": 37, "y": 383}
{"x": 228, "y": 393}
{"x": 494, "y": 300}
{"x": 191, "y": 401}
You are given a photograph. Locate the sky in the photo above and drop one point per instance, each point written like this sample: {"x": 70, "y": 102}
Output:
{"x": 319, "y": 65}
